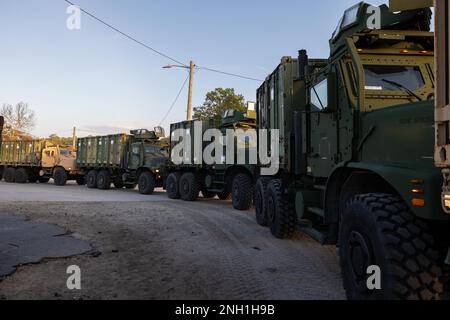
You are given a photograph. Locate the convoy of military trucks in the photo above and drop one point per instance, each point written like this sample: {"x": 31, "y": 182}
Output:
{"x": 356, "y": 164}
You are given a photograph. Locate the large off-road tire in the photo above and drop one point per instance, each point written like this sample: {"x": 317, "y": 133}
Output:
{"x": 60, "y": 177}
{"x": 173, "y": 185}
{"x": 10, "y": 175}
{"x": 208, "y": 194}
{"x": 118, "y": 183}
{"x": 281, "y": 214}
{"x": 224, "y": 196}
{"x": 81, "y": 181}
{"x": 91, "y": 179}
{"x": 260, "y": 201}
{"x": 189, "y": 187}
{"x": 33, "y": 177}
{"x": 380, "y": 230}
{"x": 104, "y": 180}
{"x": 147, "y": 183}
{"x": 44, "y": 180}
{"x": 21, "y": 175}
{"x": 242, "y": 192}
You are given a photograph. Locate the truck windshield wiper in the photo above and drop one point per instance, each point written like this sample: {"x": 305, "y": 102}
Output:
{"x": 399, "y": 85}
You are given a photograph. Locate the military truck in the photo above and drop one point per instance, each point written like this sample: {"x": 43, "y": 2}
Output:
{"x": 37, "y": 160}
{"x": 443, "y": 98}
{"x": 225, "y": 179}
{"x": 125, "y": 160}
{"x": 356, "y": 153}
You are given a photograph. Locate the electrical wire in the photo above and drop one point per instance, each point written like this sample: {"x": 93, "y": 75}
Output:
{"x": 175, "y": 101}
{"x": 230, "y": 74}
{"x": 157, "y": 51}
{"x": 125, "y": 34}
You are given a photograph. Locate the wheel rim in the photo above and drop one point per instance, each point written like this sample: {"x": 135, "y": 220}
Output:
{"x": 360, "y": 258}
{"x": 171, "y": 186}
{"x": 185, "y": 186}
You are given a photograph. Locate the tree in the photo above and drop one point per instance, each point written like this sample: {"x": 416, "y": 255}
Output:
{"x": 18, "y": 119}
{"x": 219, "y": 101}
{"x": 60, "y": 141}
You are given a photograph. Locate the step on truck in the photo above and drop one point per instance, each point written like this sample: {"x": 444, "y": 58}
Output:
{"x": 37, "y": 161}
{"x": 356, "y": 153}
{"x": 224, "y": 178}
{"x": 124, "y": 160}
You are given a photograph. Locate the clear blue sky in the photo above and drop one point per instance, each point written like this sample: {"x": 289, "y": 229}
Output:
{"x": 97, "y": 80}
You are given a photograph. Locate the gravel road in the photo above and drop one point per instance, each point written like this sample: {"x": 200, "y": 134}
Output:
{"x": 149, "y": 247}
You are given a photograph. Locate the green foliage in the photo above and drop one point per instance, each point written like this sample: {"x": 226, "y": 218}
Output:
{"x": 60, "y": 141}
{"x": 219, "y": 101}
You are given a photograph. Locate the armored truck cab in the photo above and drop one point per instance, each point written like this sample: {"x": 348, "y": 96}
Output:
{"x": 356, "y": 153}
{"x": 125, "y": 160}
{"x": 37, "y": 160}
{"x": 226, "y": 177}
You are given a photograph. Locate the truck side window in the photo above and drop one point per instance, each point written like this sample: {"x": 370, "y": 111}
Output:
{"x": 319, "y": 95}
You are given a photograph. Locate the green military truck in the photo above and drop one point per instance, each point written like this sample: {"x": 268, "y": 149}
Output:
{"x": 356, "y": 153}
{"x": 37, "y": 160}
{"x": 223, "y": 178}
{"x": 124, "y": 160}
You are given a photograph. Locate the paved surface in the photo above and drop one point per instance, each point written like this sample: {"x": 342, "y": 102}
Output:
{"x": 71, "y": 193}
{"x": 23, "y": 242}
{"x": 149, "y": 247}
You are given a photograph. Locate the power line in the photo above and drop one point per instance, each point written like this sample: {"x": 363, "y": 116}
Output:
{"x": 229, "y": 74}
{"x": 125, "y": 34}
{"x": 157, "y": 51}
{"x": 175, "y": 101}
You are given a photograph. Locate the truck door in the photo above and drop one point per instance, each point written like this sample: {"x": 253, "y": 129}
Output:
{"x": 136, "y": 155}
{"x": 49, "y": 157}
{"x": 323, "y": 155}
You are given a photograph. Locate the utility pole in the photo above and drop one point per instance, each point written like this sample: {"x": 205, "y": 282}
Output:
{"x": 74, "y": 138}
{"x": 191, "y": 68}
{"x": 191, "y": 82}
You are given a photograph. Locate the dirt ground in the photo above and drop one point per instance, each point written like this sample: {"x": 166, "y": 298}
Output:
{"x": 161, "y": 249}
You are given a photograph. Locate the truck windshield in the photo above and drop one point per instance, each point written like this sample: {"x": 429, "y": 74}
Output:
{"x": 65, "y": 153}
{"x": 408, "y": 77}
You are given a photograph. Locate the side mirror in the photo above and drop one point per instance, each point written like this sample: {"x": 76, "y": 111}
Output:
{"x": 332, "y": 92}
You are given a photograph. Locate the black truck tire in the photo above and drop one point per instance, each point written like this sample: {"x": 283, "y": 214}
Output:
{"x": 208, "y": 194}
{"x": 91, "y": 179}
{"x": 260, "y": 201}
{"x": 44, "y": 180}
{"x": 189, "y": 187}
{"x": 173, "y": 185}
{"x": 281, "y": 215}
{"x": 21, "y": 175}
{"x": 242, "y": 192}
{"x": 147, "y": 183}
{"x": 380, "y": 230}
{"x": 33, "y": 177}
{"x": 119, "y": 184}
{"x": 81, "y": 181}
{"x": 60, "y": 177}
{"x": 224, "y": 196}
{"x": 104, "y": 180}
{"x": 10, "y": 175}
